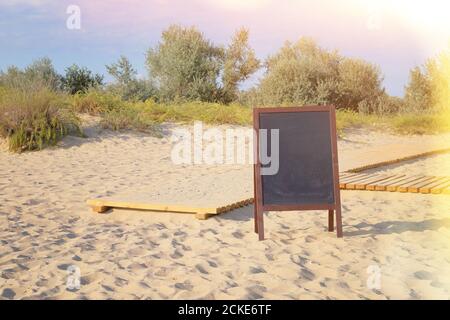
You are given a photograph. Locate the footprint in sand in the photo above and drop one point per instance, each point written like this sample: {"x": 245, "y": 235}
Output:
{"x": 8, "y": 293}
{"x": 299, "y": 260}
{"x": 256, "y": 292}
{"x": 413, "y": 295}
{"x": 42, "y": 282}
{"x": 270, "y": 257}
{"x": 238, "y": 234}
{"x": 307, "y": 274}
{"x": 255, "y": 270}
{"x": 423, "y": 275}
{"x": 176, "y": 255}
{"x": 212, "y": 264}
{"x": 107, "y": 288}
{"x": 201, "y": 269}
{"x": 120, "y": 282}
{"x": 184, "y": 286}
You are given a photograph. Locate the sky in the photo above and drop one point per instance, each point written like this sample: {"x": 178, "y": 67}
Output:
{"x": 397, "y": 35}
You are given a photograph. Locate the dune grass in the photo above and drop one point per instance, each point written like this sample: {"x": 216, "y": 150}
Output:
{"x": 31, "y": 120}
{"x": 421, "y": 123}
{"x": 145, "y": 116}
{"x": 210, "y": 113}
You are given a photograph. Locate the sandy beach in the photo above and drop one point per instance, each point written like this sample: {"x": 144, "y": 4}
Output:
{"x": 46, "y": 226}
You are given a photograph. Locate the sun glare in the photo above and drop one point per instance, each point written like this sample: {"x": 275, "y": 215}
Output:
{"x": 238, "y": 4}
{"x": 423, "y": 14}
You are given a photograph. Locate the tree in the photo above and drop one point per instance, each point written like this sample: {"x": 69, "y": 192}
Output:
{"x": 429, "y": 85}
{"x": 418, "y": 92}
{"x": 299, "y": 73}
{"x": 40, "y": 73}
{"x": 126, "y": 83}
{"x": 359, "y": 82}
{"x": 43, "y": 70}
{"x": 122, "y": 71}
{"x": 240, "y": 64}
{"x": 185, "y": 65}
{"x": 303, "y": 73}
{"x": 79, "y": 79}
{"x": 438, "y": 71}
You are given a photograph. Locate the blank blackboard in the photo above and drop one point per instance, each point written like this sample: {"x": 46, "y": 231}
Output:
{"x": 305, "y": 174}
{"x": 308, "y": 169}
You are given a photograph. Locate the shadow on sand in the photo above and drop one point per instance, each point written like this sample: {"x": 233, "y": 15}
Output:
{"x": 362, "y": 229}
{"x": 391, "y": 227}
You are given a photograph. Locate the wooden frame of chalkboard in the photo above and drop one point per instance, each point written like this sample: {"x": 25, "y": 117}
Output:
{"x": 260, "y": 206}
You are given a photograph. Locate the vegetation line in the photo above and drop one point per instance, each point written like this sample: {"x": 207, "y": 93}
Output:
{"x": 191, "y": 78}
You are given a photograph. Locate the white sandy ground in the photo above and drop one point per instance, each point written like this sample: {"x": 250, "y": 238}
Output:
{"x": 45, "y": 226}
{"x": 436, "y": 165}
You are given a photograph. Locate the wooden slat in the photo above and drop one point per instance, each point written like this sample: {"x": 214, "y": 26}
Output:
{"x": 346, "y": 174}
{"x": 361, "y": 183}
{"x": 354, "y": 177}
{"x": 440, "y": 189}
{"x": 394, "y": 186}
{"x": 102, "y": 205}
{"x": 148, "y": 206}
{"x": 446, "y": 190}
{"x": 442, "y": 181}
{"x": 404, "y": 187}
{"x": 381, "y": 185}
{"x": 364, "y": 184}
{"x": 350, "y": 184}
{"x": 414, "y": 188}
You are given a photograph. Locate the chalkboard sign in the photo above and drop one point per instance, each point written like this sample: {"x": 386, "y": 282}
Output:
{"x": 297, "y": 162}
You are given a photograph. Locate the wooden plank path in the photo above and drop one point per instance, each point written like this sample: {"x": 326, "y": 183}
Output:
{"x": 395, "y": 183}
{"x": 348, "y": 181}
{"x": 352, "y": 163}
{"x": 201, "y": 213}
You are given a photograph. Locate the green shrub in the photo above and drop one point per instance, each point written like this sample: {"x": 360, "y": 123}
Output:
{"x": 421, "y": 123}
{"x": 429, "y": 86}
{"x": 34, "y": 119}
{"x": 303, "y": 73}
{"x": 39, "y": 74}
{"x": 211, "y": 113}
{"x": 130, "y": 117}
{"x": 96, "y": 102}
{"x": 126, "y": 84}
{"x": 188, "y": 67}
{"x": 81, "y": 80}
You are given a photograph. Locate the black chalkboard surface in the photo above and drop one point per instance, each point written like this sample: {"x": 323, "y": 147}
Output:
{"x": 305, "y": 172}
{"x": 308, "y": 176}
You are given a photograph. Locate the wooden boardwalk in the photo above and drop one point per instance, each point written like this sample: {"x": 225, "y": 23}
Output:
{"x": 102, "y": 205}
{"x": 395, "y": 183}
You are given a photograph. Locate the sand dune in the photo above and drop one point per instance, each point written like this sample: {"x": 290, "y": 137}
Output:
{"x": 45, "y": 227}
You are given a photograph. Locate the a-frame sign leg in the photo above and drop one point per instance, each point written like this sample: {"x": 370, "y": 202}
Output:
{"x": 260, "y": 222}
{"x": 330, "y": 220}
{"x": 255, "y": 201}
{"x": 255, "y": 215}
{"x": 339, "y": 222}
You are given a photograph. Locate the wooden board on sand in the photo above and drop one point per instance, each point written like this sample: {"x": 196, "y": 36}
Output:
{"x": 201, "y": 213}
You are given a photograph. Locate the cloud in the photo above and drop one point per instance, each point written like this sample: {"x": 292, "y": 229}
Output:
{"x": 237, "y": 5}
{"x": 32, "y": 3}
